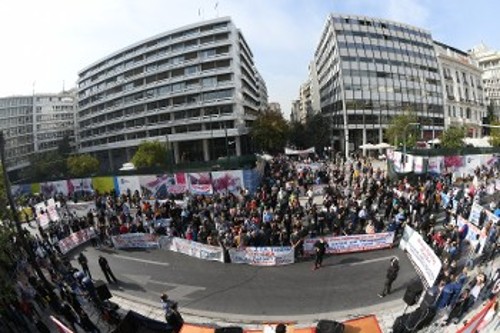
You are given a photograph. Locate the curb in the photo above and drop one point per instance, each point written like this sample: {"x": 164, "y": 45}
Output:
{"x": 153, "y": 310}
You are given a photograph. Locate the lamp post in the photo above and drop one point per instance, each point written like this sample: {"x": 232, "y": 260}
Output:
{"x": 20, "y": 232}
{"x": 404, "y": 141}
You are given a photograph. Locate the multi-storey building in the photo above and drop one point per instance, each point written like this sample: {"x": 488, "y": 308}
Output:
{"x": 295, "y": 112}
{"x": 195, "y": 87}
{"x": 462, "y": 87}
{"x": 489, "y": 62}
{"x": 309, "y": 101}
{"x": 35, "y": 124}
{"x": 370, "y": 70}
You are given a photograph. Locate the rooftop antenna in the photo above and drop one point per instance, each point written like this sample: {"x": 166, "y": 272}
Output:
{"x": 63, "y": 87}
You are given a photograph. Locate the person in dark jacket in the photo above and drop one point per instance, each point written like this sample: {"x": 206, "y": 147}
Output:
{"x": 320, "y": 247}
{"x": 392, "y": 274}
{"x": 82, "y": 260}
{"x": 106, "y": 269}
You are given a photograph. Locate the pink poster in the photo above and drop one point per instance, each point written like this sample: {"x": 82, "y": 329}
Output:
{"x": 200, "y": 183}
{"x": 227, "y": 181}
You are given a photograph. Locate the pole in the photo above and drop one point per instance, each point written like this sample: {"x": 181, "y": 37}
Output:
{"x": 169, "y": 153}
{"x": 227, "y": 143}
{"x": 15, "y": 216}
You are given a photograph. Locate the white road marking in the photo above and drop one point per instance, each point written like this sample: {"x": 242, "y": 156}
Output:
{"x": 141, "y": 260}
{"x": 179, "y": 291}
{"x": 369, "y": 261}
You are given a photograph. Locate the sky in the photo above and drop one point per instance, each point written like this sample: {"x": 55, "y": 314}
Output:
{"x": 46, "y": 42}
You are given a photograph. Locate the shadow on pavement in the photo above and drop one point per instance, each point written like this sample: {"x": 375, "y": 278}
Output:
{"x": 124, "y": 286}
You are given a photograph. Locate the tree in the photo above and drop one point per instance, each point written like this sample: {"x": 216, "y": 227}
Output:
{"x": 495, "y": 134}
{"x": 48, "y": 165}
{"x": 453, "y": 137}
{"x": 318, "y": 131}
{"x": 64, "y": 147}
{"x": 401, "y": 126}
{"x": 270, "y": 131}
{"x": 150, "y": 154}
{"x": 297, "y": 135}
{"x": 82, "y": 165}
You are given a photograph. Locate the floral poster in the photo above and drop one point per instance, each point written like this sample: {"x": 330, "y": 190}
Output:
{"x": 227, "y": 181}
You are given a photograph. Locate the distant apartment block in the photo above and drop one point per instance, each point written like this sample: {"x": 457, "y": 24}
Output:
{"x": 35, "y": 124}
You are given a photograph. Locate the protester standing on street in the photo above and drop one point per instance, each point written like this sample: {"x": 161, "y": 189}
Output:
{"x": 106, "y": 269}
{"x": 392, "y": 274}
{"x": 172, "y": 314}
{"x": 320, "y": 247}
{"x": 82, "y": 260}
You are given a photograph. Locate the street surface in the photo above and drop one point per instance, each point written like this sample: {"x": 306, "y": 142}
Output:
{"x": 345, "y": 282}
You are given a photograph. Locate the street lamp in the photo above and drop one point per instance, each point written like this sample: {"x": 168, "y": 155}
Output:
{"x": 15, "y": 216}
{"x": 404, "y": 140}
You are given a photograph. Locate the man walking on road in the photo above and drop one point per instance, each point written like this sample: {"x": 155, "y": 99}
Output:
{"x": 392, "y": 274}
{"x": 320, "y": 247}
{"x": 106, "y": 269}
{"x": 82, "y": 260}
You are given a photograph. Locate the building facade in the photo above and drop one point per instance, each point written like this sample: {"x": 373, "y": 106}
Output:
{"x": 489, "y": 61}
{"x": 195, "y": 87}
{"x": 464, "y": 103}
{"x": 35, "y": 124}
{"x": 370, "y": 70}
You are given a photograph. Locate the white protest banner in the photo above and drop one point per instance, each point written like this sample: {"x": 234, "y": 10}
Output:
{"x": 475, "y": 213}
{"x": 227, "y": 181}
{"x": 75, "y": 239}
{"x": 52, "y": 210}
{"x": 80, "y": 209}
{"x": 200, "y": 183}
{"x": 474, "y": 234}
{"x": 353, "y": 243}
{"x": 135, "y": 241}
{"x": 262, "y": 256}
{"x": 193, "y": 249}
{"x": 41, "y": 214}
{"x": 424, "y": 259}
{"x": 123, "y": 184}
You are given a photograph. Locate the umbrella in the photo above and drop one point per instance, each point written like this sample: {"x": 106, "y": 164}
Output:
{"x": 367, "y": 146}
{"x": 382, "y": 145}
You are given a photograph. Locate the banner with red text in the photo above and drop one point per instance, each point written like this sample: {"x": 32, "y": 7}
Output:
{"x": 353, "y": 243}
{"x": 200, "y": 183}
{"x": 263, "y": 256}
{"x": 135, "y": 241}
{"x": 76, "y": 239}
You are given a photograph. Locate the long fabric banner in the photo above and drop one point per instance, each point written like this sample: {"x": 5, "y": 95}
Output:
{"x": 80, "y": 209}
{"x": 262, "y": 256}
{"x": 200, "y": 183}
{"x": 354, "y": 243}
{"x": 135, "y": 241}
{"x": 423, "y": 257}
{"x": 193, "y": 249}
{"x": 76, "y": 239}
{"x": 227, "y": 181}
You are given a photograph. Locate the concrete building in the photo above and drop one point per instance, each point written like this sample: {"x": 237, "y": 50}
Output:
{"x": 464, "y": 103}
{"x": 489, "y": 62}
{"x": 195, "y": 87}
{"x": 370, "y": 70}
{"x": 35, "y": 124}
{"x": 309, "y": 100}
{"x": 295, "y": 112}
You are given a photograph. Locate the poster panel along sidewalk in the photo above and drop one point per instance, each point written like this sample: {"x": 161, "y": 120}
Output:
{"x": 262, "y": 256}
{"x": 135, "y": 241}
{"x": 76, "y": 239}
{"x": 191, "y": 248}
{"x": 354, "y": 243}
{"x": 426, "y": 262}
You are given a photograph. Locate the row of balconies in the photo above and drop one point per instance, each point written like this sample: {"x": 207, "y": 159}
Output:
{"x": 115, "y": 60}
{"x": 156, "y": 98}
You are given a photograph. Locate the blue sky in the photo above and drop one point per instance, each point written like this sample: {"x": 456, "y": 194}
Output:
{"x": 45, "y": 43}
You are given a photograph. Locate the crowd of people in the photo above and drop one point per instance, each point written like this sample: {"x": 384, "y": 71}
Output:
{"x": 355, "y": 198}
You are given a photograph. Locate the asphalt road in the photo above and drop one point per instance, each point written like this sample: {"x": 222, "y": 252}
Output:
{"x": 345, "y": 282}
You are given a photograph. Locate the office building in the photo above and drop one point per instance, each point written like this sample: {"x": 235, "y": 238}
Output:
{"x": 370, "y": 70}
{"x": 195, "y": 87}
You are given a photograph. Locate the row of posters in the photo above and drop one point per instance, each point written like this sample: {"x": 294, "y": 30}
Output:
{"x": 155, "y": 186}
